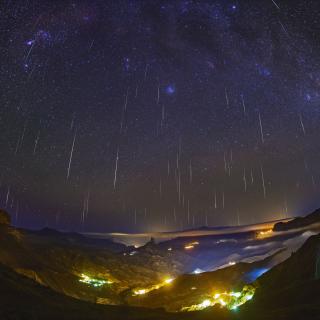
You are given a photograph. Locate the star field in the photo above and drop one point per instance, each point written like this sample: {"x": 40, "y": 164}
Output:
{"x": 158, "y": 115}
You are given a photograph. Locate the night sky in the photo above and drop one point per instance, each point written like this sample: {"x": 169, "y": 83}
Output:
{"x": 158, "y": 115}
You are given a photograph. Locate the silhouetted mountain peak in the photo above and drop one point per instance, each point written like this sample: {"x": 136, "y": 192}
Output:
{"x": 299, "y": 222}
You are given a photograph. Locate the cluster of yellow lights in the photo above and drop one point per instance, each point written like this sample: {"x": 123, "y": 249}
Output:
{"x": 264, "y": 233}
{"x": 154, "y": 287}
{"x": 93, "y": 282}
{"x": 230, "y": 300}
{"x": 191, "y": 245}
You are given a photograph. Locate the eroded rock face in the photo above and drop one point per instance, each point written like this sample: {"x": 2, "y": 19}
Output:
{"x": 4, "y": 217}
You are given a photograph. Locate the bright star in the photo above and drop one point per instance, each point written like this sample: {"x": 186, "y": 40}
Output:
{"x": 30, "y": 42}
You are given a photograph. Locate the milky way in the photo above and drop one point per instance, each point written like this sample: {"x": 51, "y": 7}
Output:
{"x": 158, "y": 115}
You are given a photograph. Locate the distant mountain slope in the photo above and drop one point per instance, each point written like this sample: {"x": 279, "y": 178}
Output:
{"x": 75, "y": 238}
{"x": 58, "y": 260}
{"x": 299, "y": 222}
